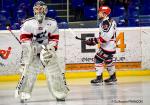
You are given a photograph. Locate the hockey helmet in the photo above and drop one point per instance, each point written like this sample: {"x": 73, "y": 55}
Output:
{"x": 40, "y": 11}
{"x": 105, "y": 9}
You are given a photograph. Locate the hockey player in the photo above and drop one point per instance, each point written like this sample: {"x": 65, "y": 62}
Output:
{"x": 39, "y": 40}
{"x": 107, "y": 38}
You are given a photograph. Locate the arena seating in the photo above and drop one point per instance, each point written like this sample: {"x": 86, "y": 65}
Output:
{"x": 15, "y": 11}
{"x": 90, "y": 13}
{"x": 76, "y": 4}
{"x": 52, "y": 13}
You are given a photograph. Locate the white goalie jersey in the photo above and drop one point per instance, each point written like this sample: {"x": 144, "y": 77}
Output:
{"x": 42, "y": 33}
{"x": 107, "y": 35}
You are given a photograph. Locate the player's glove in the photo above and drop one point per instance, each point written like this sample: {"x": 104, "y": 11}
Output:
{"x": 48, "y": 54}
{"x": 91, "y": 41}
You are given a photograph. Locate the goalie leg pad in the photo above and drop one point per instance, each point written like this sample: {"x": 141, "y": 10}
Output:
{"x": 55, "y": 81}
{"x": 26, "y": 82}
{"x": 27, "y": 79}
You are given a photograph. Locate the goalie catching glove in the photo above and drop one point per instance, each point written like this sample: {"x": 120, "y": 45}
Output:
{"x": 48, "y": 53}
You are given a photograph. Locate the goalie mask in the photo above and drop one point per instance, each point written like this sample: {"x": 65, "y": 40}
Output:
{"x": 40, "y": 11}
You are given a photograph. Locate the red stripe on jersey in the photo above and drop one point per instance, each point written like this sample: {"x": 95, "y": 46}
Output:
{"x": 50, "y": 37}
{"x": 102, "y": 40}
{"x": 25, "y": 37}
{"x": 54, "y": 38}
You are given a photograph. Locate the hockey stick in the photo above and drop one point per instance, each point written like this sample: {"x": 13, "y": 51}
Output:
{"x": 8, "y": 28}
{"x": 76, "y": 37}
{"x": 145, "y": 32}
{"x": 79, "y": 38}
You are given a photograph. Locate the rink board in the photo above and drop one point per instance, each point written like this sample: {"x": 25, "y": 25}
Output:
{"x": 74, "y": 55}
{"x": 119, "y": 66}
{"x": 77, "y": 75}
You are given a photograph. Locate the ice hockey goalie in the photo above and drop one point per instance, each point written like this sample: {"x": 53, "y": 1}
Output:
{"x": 39, "y": 38}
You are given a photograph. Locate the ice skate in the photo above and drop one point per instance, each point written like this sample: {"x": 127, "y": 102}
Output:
{"x": 16, "y": 93}
{"x": 112, "y": 80}
{"x": 24, "y": 97}
{"x": 97, "y": 81}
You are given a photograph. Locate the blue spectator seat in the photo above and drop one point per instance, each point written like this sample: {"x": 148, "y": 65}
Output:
{"x": 76, "y": 4}
{"x": 133, "y": 11}
{"x": 63, "y": 25}
{"x": 120, "y": 21}
{"x": 145, "y": 20}
{"x": 34, "y": 1}
{"x": 59, "y": 20}
{"x": 2, "y": 26}
{"x": 4, "y": 23}
{"x": 23, "y": 6}
{"x": 145, "y": 9}
{"x": 4, "y": 18}
{"x": 20, "y": 16}
{"x": 58, "y": 1}
{"x": 27, "y": 2}
{"x": 4, "y": 13}
{"x": 133, "y": 22}
{"x": 116, "y": 19}
{"x": 78, "y": 8}
{"x": 135, "y": 2}
{"x": 90, "y": 13}
{"x": 118, "y": 11}
{"x": 15, "y": 26}
{"x": 52, "y": 13}
{"x": 8, "y": 5}
{"x": 144, "y": 2}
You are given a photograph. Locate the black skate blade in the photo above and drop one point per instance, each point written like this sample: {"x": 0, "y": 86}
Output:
{"x": 97, "y": 84}
{"x": 110, "y": 83}
{"x": 60, "y": 100}
{"x": 23, "y": 100}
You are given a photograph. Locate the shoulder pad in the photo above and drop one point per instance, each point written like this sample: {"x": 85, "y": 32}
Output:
{"x": 47, "y": 18}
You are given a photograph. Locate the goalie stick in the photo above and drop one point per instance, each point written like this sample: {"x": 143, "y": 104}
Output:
{"x": 8, "y": 28}
{"x": 22, "y": 77}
